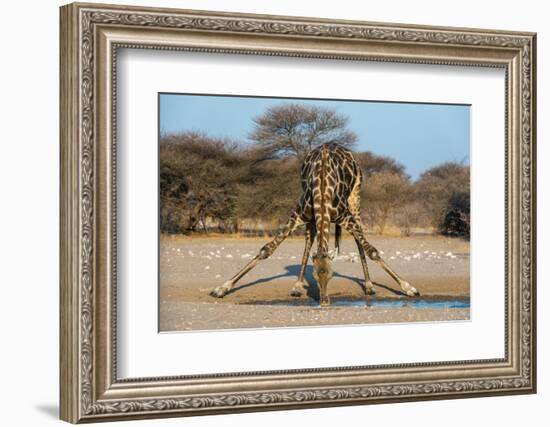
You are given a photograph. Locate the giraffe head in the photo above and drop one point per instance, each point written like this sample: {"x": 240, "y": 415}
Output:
{"x": 322, "y": 272}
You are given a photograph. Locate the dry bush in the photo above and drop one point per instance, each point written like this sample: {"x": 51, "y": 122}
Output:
{"x": 216, "y": 184}
{"x": 198, "y": 179}
{"x": 384, "y": 193}
{"x": 410, "y": 216}
{"x": 456, "y": 222}
{"x": 437, "y": 186}
{"x": 370, "y": 164}
{"x": 271, "y": 192}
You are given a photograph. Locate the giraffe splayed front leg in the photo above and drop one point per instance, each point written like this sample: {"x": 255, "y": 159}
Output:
{"x": 222, "y": 290}
{"x": 267, "y": 250}
{"x": 369, "y": 286}
{"x": 355, "y": 228}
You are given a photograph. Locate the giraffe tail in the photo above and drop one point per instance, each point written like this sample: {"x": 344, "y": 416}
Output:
{"x": 337, "y": 238}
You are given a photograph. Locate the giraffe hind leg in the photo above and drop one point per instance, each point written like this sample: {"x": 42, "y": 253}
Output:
{"x": 265, "y": 252}
{"x": 300, "y": 285}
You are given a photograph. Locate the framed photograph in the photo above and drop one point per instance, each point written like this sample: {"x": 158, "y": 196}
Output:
{"x": 267, "y": 212}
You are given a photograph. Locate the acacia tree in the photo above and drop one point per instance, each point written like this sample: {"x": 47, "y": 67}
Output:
{"x": 295, "y": 129}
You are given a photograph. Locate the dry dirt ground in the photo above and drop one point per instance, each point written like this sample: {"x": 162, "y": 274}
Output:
{"x": 190, "y": 267}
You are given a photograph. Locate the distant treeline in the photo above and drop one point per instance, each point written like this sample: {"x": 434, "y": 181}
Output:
{"x": 211, "y": 184}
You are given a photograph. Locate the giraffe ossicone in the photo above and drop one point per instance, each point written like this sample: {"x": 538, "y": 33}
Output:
{"x": 331, "y": 186}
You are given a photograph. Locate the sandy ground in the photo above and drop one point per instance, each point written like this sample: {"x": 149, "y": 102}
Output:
{"x": 191, "y": 266}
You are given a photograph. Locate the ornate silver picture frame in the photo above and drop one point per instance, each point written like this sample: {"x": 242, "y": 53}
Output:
{"x": 91, "y": 35}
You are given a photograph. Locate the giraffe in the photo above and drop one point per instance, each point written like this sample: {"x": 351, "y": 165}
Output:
{"x": 331, "y": 183}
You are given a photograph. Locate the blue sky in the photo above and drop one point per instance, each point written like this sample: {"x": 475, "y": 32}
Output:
{"x": 419, "y": 136}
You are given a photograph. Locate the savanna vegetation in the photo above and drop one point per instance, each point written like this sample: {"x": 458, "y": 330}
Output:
{"x": 209, "y": 184}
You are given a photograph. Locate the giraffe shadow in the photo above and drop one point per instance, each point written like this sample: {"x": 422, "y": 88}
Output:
{"x": 312, "y": 289}
{"x": 361, "y": 284}
{"x": 291, "y": 270}
{"x": 392, "y": 290}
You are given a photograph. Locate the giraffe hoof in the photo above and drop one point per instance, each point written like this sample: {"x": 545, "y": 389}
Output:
{"x": 409, "y": 290}
{"x": 413, "y": 292}
{"x": 325, "y": 302}
{"x": 298, "y": 289}
{"x": 369, "y": 289}
{"x": 296, "y": 293}
{"x": 219, "y": 292}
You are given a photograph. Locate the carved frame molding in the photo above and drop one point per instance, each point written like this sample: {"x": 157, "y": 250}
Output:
{"x": 90, "y": 36}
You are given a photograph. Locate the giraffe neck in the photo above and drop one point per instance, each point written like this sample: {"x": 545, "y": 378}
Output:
{"x": 322, "y": 217}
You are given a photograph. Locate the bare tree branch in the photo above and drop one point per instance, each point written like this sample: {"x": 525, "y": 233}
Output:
{"x": 295, "y": 129}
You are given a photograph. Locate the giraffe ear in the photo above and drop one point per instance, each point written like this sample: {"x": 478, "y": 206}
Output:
{"x": 331, "y": 254}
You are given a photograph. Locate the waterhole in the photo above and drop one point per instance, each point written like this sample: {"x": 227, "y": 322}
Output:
{"x": 378, "y": 303}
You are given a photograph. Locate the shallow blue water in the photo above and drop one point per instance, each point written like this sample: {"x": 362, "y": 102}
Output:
{"x": 420, "y": 303}
{"x": 380, "y": 303}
